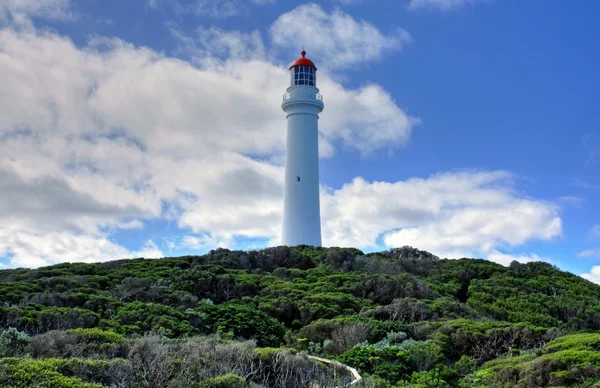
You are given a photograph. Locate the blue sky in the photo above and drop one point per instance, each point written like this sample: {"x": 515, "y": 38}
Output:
{"x": 463, "y": 127}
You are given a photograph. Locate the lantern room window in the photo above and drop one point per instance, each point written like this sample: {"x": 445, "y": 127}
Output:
{"x": 303, "y": 75}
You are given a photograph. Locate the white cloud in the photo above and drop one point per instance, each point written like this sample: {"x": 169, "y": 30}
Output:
{"x": 47, "y": 204}
{"x": 370, "y": 121}
{"x": 218, "y": 9}
{"x": 32, "y": 250}
{"x": 505, "y": 259}
{"x": 593, "y": 275}
{"x": 20, "y": 12}
{"x": 589, "y": 253}
{"x": 451, "y": 214}
{"x": 594, "y": 234}
{"x": 443, "y": 5}
{"x": 208, "y": 44}
{"x": 154, "y": 3}
{"x": 204, "y": 242}
{"x": 336, "y": 39}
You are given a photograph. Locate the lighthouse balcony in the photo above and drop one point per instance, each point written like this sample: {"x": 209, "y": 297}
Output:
{"x": 302, "y": 94}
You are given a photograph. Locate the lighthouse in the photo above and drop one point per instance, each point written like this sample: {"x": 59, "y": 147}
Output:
{"x": 302, "y": 104}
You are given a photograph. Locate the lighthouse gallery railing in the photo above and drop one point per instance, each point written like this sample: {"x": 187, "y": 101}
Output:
{"x": 307, "y": 94}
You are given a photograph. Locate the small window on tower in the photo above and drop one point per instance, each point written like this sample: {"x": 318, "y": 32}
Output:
{"x": 298, "y": 176}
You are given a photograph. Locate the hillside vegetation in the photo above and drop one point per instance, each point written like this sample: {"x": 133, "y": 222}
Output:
{"x": 402, "y": 317}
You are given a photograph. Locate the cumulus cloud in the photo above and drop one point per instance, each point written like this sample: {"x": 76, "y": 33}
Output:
{"x": 593, "y": 275}
{"x": 20, "y": 12}
{"x": 34, "y": 250}
{"x": 203, "y": 242}
{"x": 442, "y": 5}
{"x": 210, "y": 44}
{"x": 451, "y": 214}
{"x": 348, "y": 41}
{"x": 49, "y": 204}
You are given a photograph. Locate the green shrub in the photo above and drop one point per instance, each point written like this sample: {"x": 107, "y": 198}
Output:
{"x": 244, "y": 322}
{"x": 29, "y": 373}
{"x": 389, "y": 362}
{"x": 571, "y": 360}
{"x": 226, "y": 381}
{"x": 79, "y": 343}
{"x": 13, "y": 342}
{"x": 423, "y": 354}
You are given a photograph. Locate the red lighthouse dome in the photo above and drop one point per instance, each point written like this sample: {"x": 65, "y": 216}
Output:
{"x": 303, "y": 61}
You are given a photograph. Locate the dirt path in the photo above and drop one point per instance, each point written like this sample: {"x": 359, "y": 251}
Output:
{"x": 354, "y": 372}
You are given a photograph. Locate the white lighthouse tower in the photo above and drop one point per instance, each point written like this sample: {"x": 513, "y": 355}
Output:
{"x": 302, "y": 103}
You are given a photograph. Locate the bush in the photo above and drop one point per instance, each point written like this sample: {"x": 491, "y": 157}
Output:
{"x": 389, "y": 362}
{"x": 79, "y": 343}
{"x": 226, "y": 381}
{"x": 465, "y": 366}
{"x": 29, "y": 373}
{"x": 13, "y": 343}
{"x": 244, "y": 322}
{"x": 567, "y": 361}
{"x": 426, "y": 379}
{"x": 423, "y": 354}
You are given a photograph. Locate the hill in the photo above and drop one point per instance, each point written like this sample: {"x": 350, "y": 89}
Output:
{"x": 402, "y": 317}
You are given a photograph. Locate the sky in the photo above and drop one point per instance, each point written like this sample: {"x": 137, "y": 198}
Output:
{"x": 151, "y": 128}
